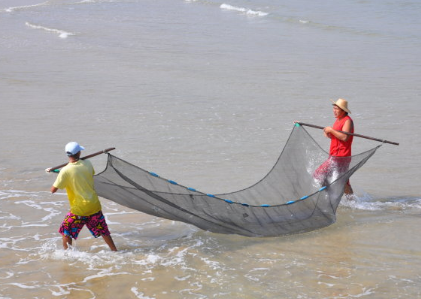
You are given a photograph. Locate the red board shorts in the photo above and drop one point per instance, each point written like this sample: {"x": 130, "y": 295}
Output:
{"x": 331, "y": 169}
{"x": 72, "y": 224}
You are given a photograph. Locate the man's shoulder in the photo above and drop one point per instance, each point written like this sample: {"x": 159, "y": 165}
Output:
{"x": 71, "y": 167}
{"x": 88, "y": 166}
{"x": 86, "y": 163}
{"x": 345, "y": 119}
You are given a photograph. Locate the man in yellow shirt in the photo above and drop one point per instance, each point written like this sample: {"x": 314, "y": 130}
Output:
{"x": 85, "y": 208}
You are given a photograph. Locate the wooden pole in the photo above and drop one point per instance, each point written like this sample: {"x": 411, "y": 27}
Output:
{"x": 353, "y": 134}
{"x": 86, "y": 157}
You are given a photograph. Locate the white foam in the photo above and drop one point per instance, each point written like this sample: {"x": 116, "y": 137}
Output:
{"x": 67, "y": 289}
{"x": 140, "y": 295}
{"x": 92, "y": 259}
{"x": 11, "y": 243}
{"x": 10, "y": 217}
{"x": 94, "y": 1}
{"x": 182, "y": 278}
{"x": 329, "y": 285}
{"x": 30, "y": 204}
{"x": 23, "y": 286}
{"x": 256, "y": 274}
{"x": 61, "y": 33}
{"x": 7, "y": 275}
{"x": 367, "y": 203}
{"x": 52, "y": 212}
{"x": 152, "y": 258}
{"x": 34, "y": 225}
{"x": 16, "y": 193}
{"x": 244, "y": 10}
{"x": 61, "y": 291}
{"x": 44, "y": 206}
{"x": 212, "y": 264}
{"x": 105, "y": 273}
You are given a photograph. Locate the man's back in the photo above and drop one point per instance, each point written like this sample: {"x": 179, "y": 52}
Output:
{"x": 77, "y": 179}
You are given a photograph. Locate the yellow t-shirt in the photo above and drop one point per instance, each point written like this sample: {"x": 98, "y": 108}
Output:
{"x": 77, "y": 179}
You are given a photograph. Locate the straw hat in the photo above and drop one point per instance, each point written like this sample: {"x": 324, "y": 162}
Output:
{"x": 343, "y": 104}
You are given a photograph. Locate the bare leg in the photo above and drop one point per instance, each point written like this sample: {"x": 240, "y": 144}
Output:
{"x": 66, "y": 242}
{"x": 349, "y": 193}
{"x": 109, "y": 242}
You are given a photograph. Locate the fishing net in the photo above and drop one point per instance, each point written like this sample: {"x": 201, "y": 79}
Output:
{"x": 297, "y": 195}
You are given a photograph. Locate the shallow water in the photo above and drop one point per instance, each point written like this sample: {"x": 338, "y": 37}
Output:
{"x": 205, "y": 93}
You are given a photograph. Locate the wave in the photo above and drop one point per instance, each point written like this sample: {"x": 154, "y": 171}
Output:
{"x": 12, "y": 9}
{"x": 96, "y": 1}
{"x": 244, "y": 10}
{"x": 61, "y": 33}
{"x": 87, "y": 1}
{"x": 367, "y": 203}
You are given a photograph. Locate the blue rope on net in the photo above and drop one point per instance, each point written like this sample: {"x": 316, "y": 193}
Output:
{"x": 234, "y": 202}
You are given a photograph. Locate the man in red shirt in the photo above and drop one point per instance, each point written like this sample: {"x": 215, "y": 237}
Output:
{"x": 340, "y": 146}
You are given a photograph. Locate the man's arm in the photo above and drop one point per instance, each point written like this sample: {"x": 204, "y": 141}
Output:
{"x": 53, "y": 189}
{"x": 341, "y": 136}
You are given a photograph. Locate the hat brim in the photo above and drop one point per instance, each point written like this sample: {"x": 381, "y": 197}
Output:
{"x": 340, "y": 106}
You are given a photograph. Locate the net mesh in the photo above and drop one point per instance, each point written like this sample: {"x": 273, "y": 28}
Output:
{"x": 287, "y": 200}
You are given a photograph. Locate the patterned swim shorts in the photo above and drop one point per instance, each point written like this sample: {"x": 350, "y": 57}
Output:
{"x": 72, "y": 224}
{"x": 331, "y": 170}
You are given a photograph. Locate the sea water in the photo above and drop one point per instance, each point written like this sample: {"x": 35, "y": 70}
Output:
{"x": 206, "y": 93}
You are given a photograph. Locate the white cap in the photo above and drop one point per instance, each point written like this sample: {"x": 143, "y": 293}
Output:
{"x": 72, "y": 148}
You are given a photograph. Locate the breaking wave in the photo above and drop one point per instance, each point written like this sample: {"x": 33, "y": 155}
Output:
{"x": 16, "y": 8}
{"x": 244, "y": 10}
{"x": 61, "y": 33}
{"x": 368, "y": 203}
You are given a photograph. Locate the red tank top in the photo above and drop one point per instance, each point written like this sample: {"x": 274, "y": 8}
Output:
{"x": 341, "y": 148}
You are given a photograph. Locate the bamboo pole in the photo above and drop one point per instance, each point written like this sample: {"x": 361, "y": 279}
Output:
{"x": 52, "y": 169}
{"x": 353, "y": 134}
